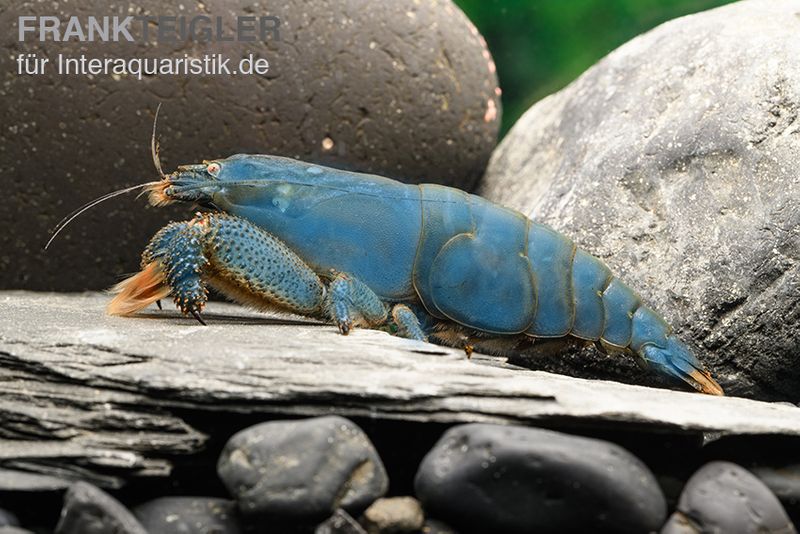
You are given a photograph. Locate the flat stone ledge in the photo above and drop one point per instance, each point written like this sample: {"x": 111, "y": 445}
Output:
{"x": 86, "y": 395}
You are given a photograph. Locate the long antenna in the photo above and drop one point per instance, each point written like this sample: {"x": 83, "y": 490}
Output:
{"x": 69, "y": 218}
{"x": 156, "y": 161}
{"x": 154, "y": 144}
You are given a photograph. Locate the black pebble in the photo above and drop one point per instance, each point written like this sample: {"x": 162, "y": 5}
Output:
{"x": 89, "y": 510}
{"x": 491, "y": 478}
{"x": 303, "y": 469}
{"x": 725, "y": 497}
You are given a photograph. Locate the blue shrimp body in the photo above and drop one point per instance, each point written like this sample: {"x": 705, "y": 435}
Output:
{"x": 465, "y": 260}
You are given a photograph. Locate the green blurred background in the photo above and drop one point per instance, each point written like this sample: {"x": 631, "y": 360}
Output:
{"x": 540, "y": 46}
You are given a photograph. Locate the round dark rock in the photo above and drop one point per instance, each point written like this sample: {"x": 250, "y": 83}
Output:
{"x": 675, "y": 160}
{"x": 725, "y": 497}
{"x": 89, "y": 510}
{"x": 340, "y": 523}
{"x": 784, "y": 483}
{"x": 490, "y": 478}
{"x": 306, "y": 468}
{"x": 189, "y": 515}
{"x": 408, "y": 91}
{"x": 772, "y": 459}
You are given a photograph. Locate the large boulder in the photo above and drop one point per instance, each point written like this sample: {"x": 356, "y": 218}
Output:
{"x": 675, "y": 159}
{"x": 406, "y": 90}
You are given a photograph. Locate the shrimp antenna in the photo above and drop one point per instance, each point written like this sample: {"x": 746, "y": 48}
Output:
{"x": 156, "y": 161}
{"x": 154, "y": 144}
{"x": 69, "y": 218}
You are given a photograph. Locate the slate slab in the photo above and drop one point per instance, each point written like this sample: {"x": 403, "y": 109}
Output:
{"x": 99, "y": 398}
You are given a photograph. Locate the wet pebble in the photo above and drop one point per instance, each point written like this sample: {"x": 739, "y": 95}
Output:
{"x": 306, "y": 468}
{"x": 725, "y": 497}
{"x": 482, "y": 478}
{"x": 89, "y": 510}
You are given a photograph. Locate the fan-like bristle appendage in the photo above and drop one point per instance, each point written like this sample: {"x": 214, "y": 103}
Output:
{"x": 156, "y": 194}
{"x": 139, "y": 291}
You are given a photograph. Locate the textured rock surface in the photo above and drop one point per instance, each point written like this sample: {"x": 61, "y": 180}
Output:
{"x": 489, "y": 478}
{"x": 306, "y": 468}
{"x": 89, "y": 510}
{"x": 675, "y": 160}
{"x": 392, "y": 515}
{"x": 189, "y": 515}
{"x": 87, "y": 396}
{"x": 407, "y": 90}
{"x": 773, "y": 460}
{"x": 724, "y": 497}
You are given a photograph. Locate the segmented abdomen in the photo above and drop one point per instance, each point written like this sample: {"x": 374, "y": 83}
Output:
{"x": 578, "y": 295}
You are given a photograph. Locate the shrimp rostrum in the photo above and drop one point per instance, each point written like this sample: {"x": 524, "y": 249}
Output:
{"x": 424, "y": 261}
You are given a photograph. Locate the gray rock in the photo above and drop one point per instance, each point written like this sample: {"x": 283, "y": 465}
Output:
{"x": 339, "y": 523}
{"x": 724, "y": 497}
{"x": 122, "y": 398}
{"x": 189, "y": 515}
{"x": 14, "y": 530}
{"x": 394, "y": 514}
{"x": 675, "y": 160}
{"x": 784, "y": 482}
{"x": 89, "y": 510}
{"x": 304, "y": 469}
{"x": 407, "y": 90}
{"x": 772, "y": 459}
{"x": 490, "y": 478}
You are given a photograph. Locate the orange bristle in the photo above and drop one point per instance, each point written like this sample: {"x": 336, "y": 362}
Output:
{"x": 704, "y": 383}
{"x": 157, "y": 196}
{"x": 139, "y": 291}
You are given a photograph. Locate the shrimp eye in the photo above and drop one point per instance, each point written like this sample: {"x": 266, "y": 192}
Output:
{"x": 213, "y": 169}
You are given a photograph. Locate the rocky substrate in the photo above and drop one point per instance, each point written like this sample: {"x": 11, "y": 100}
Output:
{"x": 274, "y": 424}
{"x": 324, "y": 475}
